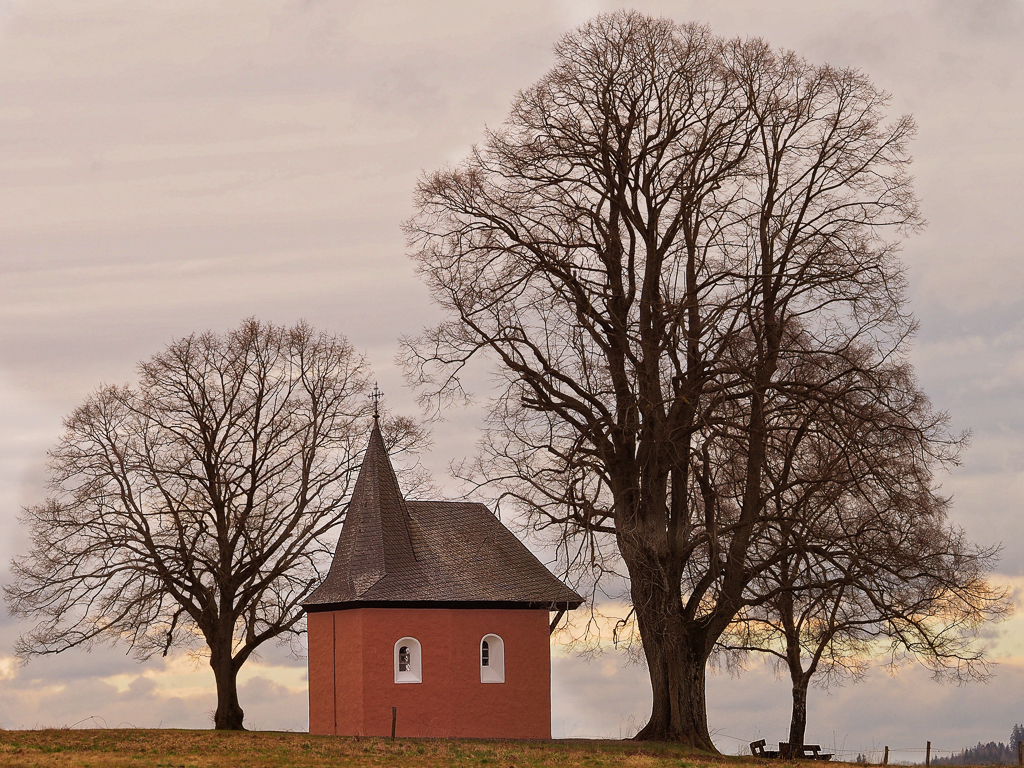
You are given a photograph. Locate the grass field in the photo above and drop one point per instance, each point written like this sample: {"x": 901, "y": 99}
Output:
{"x": 202, "y": 749}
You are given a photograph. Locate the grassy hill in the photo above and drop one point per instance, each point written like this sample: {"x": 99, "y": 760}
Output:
{"x": 212, "y": 749}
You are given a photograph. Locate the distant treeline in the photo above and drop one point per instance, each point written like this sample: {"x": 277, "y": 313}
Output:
{"x": 993, "y": 753}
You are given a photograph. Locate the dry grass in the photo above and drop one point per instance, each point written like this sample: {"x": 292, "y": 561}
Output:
{"x": 211, "y": 749}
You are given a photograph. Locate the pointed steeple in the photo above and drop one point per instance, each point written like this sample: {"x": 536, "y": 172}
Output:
{"x": 375, "y": 538}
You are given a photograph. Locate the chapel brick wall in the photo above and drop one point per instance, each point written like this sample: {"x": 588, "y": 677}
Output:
{"x": 360, "y": 688}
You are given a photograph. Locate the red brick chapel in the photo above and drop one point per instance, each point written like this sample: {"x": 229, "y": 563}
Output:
{"x": 432, "y": 613}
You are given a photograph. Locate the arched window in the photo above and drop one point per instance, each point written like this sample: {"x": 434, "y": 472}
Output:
{"x": 408, "y": 661}
{"x": 492, "y": 659}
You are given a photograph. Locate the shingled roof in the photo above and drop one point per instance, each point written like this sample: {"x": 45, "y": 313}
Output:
{"x": 394, "y": 552}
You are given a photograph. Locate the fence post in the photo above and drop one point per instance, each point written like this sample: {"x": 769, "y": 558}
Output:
{"x": 928, "y": 755}
{"x": 885, "y": 759}
{"x": 394, "y": 721}
{"x": 1020, "y": 753}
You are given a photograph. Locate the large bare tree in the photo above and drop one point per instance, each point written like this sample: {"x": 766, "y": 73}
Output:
{"x": 199, "y": 507}
{"x": 665, "y": 229}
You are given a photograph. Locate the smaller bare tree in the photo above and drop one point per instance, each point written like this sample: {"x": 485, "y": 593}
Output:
{"x": 823, "y": 626}
{"x": 200, "y": 507}
{"x": 866, "y": 563}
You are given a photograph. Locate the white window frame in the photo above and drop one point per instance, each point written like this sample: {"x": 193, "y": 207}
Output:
{"x": 415, "y": 672}
{"x": 494, "y": 672}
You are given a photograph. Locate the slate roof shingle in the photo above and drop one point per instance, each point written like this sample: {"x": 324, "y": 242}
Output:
{"x": 428, "y": 552}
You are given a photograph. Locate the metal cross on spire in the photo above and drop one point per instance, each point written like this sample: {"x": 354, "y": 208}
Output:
{"x": 376, "y": 395}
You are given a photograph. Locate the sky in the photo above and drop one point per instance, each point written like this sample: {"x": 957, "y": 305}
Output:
{"x": 176, "y": 166}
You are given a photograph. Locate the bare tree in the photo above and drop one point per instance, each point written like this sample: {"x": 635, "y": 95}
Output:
{"x": 865, "y": 559}
{"x": 666, "y": 227}
{"x": 199, "y": 507}
{"x": 829, "y": 612}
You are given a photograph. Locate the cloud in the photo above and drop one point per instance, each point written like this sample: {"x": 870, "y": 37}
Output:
{"x": 984, "y": 18}
{"x": 103, "y": 688}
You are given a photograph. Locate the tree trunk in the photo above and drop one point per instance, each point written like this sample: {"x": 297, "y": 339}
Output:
{"x": 676, "y": 662}
{"x": 679, "y": 707}
{"x": 228, "y": 716}
{"x": 798, "y": 720}
{"x": 800, "y": 677}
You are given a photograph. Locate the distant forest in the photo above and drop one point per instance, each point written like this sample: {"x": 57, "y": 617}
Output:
{"x": 993, "y": 753}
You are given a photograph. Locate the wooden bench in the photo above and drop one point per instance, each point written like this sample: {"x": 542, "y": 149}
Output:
{"x": 757, "y": 750}
{"x": 809, "y": 751}
{"x": 813, "y": 751}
